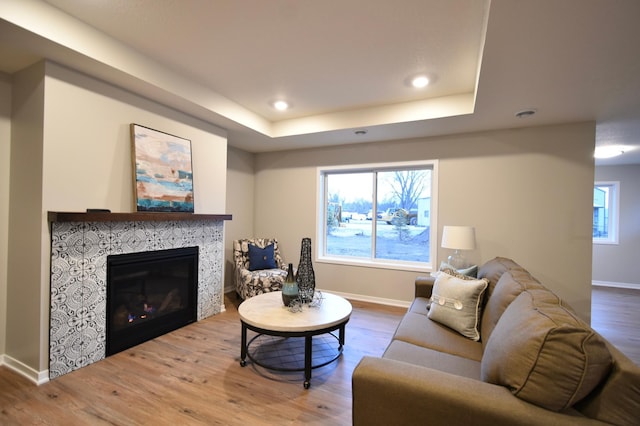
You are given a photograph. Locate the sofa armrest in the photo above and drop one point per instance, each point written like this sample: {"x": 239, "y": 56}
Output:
{"x": 390, "y": 392}
{"x": 424, "y": 285}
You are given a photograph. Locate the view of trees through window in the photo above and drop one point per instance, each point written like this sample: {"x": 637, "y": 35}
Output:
{"x": 379, "y": 214}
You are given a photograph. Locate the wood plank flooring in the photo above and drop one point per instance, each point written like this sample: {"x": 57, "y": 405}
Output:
{"x": 192, "y": 376}
{"x": 615, "y": 313}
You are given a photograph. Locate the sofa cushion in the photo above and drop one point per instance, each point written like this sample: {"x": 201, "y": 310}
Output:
{"x": 544, "y": 354}
{"x": 261, "y": 258}
{"x": 425, "y": 357}
{"x": 617, "y": 400}
{"x": 493, "y": 270}
{"x": 509, "y": 286}
{"x": 417, "y": 329}
{"x": 456, "y": 303}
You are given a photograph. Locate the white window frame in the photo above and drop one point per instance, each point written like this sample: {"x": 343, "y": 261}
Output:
{"x": 613, "y": 224}
{"x": 321, "y": 223}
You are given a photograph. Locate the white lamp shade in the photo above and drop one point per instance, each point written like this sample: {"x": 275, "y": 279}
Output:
{"x": 459, "y": 237}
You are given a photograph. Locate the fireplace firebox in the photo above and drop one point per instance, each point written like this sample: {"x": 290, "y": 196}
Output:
{"x": 149, "y": 294}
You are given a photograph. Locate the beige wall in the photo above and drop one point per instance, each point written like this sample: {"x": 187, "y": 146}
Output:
{"x": 26, "y": 266}
{"x": 72, "y": 152}
{"x": 240, "y": 195}
{"x": 528, "y": 192}
{"x": 619, "y": 264}
{"x": 88, "y": 149}
{"x": 5, "y": 153}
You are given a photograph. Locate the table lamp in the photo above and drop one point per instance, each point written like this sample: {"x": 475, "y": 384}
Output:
{"x": 458, "y": 238}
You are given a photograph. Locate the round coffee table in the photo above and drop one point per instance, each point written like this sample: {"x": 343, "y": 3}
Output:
{"x": 266, "y": 314}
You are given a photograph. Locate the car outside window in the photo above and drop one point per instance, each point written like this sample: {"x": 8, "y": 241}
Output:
{"x": 377, "y": 215}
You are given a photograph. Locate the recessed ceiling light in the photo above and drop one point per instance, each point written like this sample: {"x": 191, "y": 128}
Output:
{"x": 420, "y": 81}
{"x": 609, "y": 151}
{"x": 281, "y": 105}
{"x": 525, "y": 113}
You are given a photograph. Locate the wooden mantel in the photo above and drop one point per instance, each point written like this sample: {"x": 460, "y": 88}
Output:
{"x": 131, "y": 217}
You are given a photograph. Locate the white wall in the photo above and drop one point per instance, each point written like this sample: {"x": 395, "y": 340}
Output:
{"x": 5, "y": 153}
{"x": 619, "y": 264}
{"x": 528, "y": 192}
{"x": 86, "y": 163}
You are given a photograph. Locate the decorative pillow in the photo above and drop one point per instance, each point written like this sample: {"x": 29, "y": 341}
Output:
{"x": 456, "y": 302}
{"x": 261, "y": 258}
{"x": 471, "y": 271}
{"x": 544, "y": 354}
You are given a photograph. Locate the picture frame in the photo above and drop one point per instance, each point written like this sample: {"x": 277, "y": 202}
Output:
{"x": 163, "y": 171}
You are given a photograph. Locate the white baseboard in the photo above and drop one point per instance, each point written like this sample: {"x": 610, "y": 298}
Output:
{"x": 371, "y": 299}
{"x": 37, "y": 377}
{"x": 615, "y": 284}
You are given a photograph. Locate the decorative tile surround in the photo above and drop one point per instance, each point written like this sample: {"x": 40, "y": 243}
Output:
{"x": 79, "y": 253}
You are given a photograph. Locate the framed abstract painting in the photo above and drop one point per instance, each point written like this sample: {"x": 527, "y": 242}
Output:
{"x": 162, "y": 167}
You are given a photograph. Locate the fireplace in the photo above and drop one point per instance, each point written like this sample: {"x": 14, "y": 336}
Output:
{"x": 149, "y": 294}
{"x": 80, "y": 246}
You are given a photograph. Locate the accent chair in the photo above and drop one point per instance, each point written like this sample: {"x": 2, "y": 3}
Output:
{"x": 259, "y": 267}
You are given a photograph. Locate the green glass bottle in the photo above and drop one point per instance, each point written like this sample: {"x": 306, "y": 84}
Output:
{"x": 290, "y": 287}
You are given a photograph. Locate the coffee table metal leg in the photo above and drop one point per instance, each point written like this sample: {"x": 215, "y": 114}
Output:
{"x": 341, "y": 336}
{"x": 307, "y": 362}
{"x": 243, "y": 346}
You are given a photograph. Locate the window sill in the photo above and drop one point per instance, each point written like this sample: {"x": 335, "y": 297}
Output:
{"x": 378, "y": 264}
{"x": 606, "y": 242}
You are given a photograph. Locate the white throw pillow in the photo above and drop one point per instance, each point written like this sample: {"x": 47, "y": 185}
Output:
{"x": 457, "y": 303}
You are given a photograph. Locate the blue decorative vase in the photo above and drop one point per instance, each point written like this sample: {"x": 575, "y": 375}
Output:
{"x": 289, "y": 288}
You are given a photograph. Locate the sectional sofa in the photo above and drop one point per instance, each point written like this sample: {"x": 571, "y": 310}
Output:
{"x": 494, "y": 350}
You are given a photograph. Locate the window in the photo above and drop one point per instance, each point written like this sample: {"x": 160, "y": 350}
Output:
{"x": 378, "y": 215}
{"x": 605, "y": 212}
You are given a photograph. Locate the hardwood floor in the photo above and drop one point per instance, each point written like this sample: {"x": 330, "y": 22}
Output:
{"x": 192, "y": 375}
{"x": 615, "y": 313}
